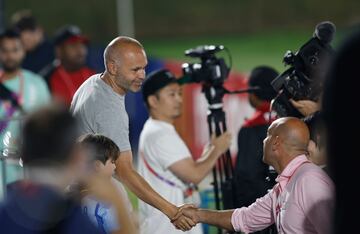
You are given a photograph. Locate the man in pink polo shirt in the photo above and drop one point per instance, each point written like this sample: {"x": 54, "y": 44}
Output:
{"x": 302, "y": 201}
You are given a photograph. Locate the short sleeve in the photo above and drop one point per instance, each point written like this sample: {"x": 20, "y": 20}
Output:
{"x": 168, "y": 149}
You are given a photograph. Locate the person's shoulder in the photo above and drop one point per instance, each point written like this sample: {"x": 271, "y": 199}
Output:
{"x": 311, "y": 172}
{"x": 32, "y": 76}
{"x": 90, "y": 86}
{"x": 155, "y": 128}
{"x": 309, "y": 168}
{"x": 98, "y": 86}
{"x": 94, "y": 95}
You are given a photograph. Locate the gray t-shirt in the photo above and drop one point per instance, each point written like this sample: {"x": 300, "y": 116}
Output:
{"x": 101, "y": 110}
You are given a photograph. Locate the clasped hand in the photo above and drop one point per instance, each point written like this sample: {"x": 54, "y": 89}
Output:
{"x": 186, "y": 217}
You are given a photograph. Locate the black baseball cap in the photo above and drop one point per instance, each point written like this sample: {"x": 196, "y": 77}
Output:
{"x": 261, "y": 77}
{"x": 155, "y": 81}
{"x": 69, "y": 34}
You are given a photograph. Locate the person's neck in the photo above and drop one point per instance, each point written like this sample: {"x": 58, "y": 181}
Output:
{"x": 283, "y": 164}
{"x": 285, "y": 160}
{"x": 109, "y": 80}
{"x": 10, "y": 75}
{"x": 162, "y": 118}
{"x": 53, "y": 177}
{"x": 70, "y": 67}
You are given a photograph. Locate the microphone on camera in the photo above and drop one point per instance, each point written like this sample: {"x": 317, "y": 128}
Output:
{"x": 325, "y": 31}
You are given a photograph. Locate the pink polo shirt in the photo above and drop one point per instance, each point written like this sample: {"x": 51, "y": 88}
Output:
{"x": 301, "y": 202}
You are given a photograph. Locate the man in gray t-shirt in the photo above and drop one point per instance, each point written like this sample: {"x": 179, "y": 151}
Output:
{"x": 99, "y": 106}
{"x": 101, "y": 110}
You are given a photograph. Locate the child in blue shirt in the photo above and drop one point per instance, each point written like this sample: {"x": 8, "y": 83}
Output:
{"x": 102, "y": 153}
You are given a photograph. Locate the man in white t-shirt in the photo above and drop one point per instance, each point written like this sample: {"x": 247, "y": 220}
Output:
{"x": 165, "y": 161}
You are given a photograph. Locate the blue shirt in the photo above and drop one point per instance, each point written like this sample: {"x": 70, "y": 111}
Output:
{"x": 30, "y": 208}
{"x": 102, "y": 215}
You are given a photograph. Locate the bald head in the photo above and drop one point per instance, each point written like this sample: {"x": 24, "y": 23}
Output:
{"x": 118, "y": 47}
{"x": 125, "y": 62}
{"x": 286, "y": 138}
{"x": 293, "y": 133}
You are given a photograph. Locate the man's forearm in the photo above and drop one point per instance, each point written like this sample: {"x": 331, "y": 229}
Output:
{"x": 220, "y": 218}
{"x": 143, "y": 191}
{"x": 203, "y": 167}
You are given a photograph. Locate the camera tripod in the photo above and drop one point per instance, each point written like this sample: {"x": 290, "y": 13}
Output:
{"x": 222, "y": 174}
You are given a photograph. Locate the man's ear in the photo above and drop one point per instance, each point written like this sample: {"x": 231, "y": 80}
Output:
{"x": 111, "y": 68}
{"x": 153, "y": 101}
{"x": 275, "y": 144}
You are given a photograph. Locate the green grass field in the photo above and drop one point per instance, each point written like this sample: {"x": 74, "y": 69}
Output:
{"x": 247, "y": 51}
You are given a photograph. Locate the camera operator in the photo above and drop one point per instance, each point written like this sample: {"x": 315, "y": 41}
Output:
{"x": 300, "y": 87}
{"x": 166, "y": 162}
{"x": 306, "y": 107}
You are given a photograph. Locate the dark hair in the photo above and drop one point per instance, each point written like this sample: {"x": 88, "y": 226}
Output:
{"x": 24, "y": 20}
{"x": 49, "y": 136}
{"x": 315, "y": 123}
{"x": 102, "y": 148}
{"x": 261, "y": 77}
{"x": 156, "y": 81}
{"x": 9, "y": 34}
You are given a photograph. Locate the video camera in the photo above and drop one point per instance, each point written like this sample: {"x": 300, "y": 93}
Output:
{"x": 299, "y": 81}
{"x": 211, "y": 71}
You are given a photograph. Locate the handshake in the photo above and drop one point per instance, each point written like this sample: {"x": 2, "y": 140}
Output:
{"x": 186, "y": 218}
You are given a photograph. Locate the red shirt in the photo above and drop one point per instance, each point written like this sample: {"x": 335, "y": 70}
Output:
{"x": 262, "y": 116}
{"x": 63, "y": 84}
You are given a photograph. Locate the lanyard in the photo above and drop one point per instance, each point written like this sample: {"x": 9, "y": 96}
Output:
{"x": 8, "y": 108}
{"x": 187, "y": 192}
{"x": 156, "y": 174}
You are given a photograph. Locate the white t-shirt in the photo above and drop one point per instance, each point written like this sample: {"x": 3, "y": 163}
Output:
{"x": 161, "y": 146}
